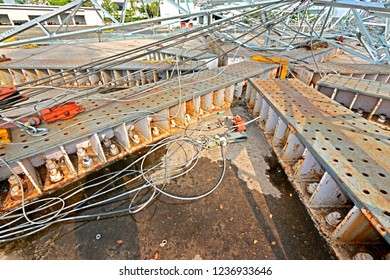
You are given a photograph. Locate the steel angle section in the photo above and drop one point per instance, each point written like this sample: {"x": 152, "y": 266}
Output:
{"x": 118, "y": 107}
{"x": 355, "y": 85}
{"x": 353, "y": 151}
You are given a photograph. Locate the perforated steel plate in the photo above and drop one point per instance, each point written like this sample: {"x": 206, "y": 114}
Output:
{"x": 187, "y": 53}
{"x": 355, "y": 85}
{"x": 135, "y": 103}
{"x": 353, "y": 151}
{"x": 348, "y": 68}
{"x": 131, "y": 65}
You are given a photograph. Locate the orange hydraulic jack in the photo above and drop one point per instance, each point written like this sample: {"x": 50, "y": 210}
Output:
{"x": 63, "y": 112}
{"x": 239, "y": 124}
{"x": 281, "y": 61}
{"x": 10, "y": 95}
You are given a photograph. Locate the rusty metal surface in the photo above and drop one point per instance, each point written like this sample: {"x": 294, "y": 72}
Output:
{"x": 355, "y": 85}
{"x": 187, "y": 53}
{"x": 31, "y": 64}
{"x": 347, "y": 68}
{"x": 135, "y": 103}
{"x": 353, "y": 151}
{"x": 306, "y": 55}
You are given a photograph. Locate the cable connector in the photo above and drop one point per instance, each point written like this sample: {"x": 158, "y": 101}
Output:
{"x": 236, "y": 137}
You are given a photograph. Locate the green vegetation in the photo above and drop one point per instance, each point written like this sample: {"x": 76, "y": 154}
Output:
{"x": 110, "y": 7}
{"x": 58, "y": 2}
{"x": 153, "y": 9}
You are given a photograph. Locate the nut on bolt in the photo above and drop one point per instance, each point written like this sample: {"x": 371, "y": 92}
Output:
{"x": 114, "y": 150}
{"x": 362, "y": 257}
{"x": 155, "y": 131}
{"x": 55, "y": 175}
{"x": 333, "y": 218}
{"x": 86, "y": 161}
{"x": 382, "y": 118}
{"x": 311, "y": 188}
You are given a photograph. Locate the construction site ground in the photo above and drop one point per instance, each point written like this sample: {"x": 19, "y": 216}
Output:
{"x": 254, "y": 214}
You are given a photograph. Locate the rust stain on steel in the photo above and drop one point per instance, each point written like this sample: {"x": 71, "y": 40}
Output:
{"x": 374, "y": 221}
{"x": 355, "y": 152}
{"x": 292, "y": 128}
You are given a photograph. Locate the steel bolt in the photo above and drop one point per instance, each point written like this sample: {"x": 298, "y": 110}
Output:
{"x": 87, "y": 161}
{"x": 81, "y": 152}
{"x": 363, "y": 257}
{"x": 16, "y": 192}
{"x": 106, "y": 143}
{"x": 333, "y": 218}
{"x": 155, "y": 131}
{"x": 360, "y": 112}
{"x": 50, "y": 164}
{"x": 13, "y": 180}
{"x": 136, "y": 139}
{"x": 54, "y": 174}
{"x": 311, "y": 188}
{"x": 114, "y": 150}
{"x": 172, "y": 123}
{"x": 382, "y": 118}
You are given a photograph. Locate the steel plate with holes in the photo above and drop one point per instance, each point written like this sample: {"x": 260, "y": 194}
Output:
{"x": 133, "y": 65}
{"x": 186, "y": 53}
{"x": 348, "y": 68}
{"x": 105, "y": 111}
{"x": 355, "y": 85}
{"x": 353, "y": 151}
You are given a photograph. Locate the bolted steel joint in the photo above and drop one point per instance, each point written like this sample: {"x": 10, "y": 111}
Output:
{"x": 81, "y": 152}
{"x": 13, "y": 180}
{"x": 106, "y": 143}
{"x": 333, "y": 218}
{"x": 362, "y": 257}
{"x": 382, "y": 118}
{"x": 114, "y": 150}
{"x": 155, "y": 131}
{"x": 136, "y": 139}
{"x": 311, "y": 188}
{"x": 55, "y": 175}
{"x": 86, "y": 161}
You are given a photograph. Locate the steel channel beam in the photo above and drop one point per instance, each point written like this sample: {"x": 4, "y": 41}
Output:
{"x": 370, "y": 96}
{"x": 310, "y": 73}
{"x": 153, "y": 98}
{"x": 356, "y": 85}
{"x": 354, "y": 152}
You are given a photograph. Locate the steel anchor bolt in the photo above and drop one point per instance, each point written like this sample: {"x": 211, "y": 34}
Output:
{"x": 333, "y": 218}
{"x": 114, "y": 150}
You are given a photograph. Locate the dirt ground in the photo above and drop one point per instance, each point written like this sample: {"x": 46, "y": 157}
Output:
{"x": 254, "y": 214}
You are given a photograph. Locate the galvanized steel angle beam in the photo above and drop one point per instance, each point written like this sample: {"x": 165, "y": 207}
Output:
{"x": 356, "y": 85}
{"x": 116, "y": 24}
{"x": 142, "y": 101}
{"x": 336, "y": 137}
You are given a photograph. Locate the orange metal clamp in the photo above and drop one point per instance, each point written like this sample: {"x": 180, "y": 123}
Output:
{"x": 63, "y": 112}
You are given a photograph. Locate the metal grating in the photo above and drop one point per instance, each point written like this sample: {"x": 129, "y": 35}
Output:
{"x": 186, "y": 53}
{"x": 348, "y": 68}
{"x": 355, "y": 85}
{"x": 135, "y": 103}
{"x": 353, "y": 151}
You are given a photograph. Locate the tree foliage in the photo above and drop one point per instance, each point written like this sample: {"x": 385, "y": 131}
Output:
{"x": 58, "y": 2}
{"x": 110, "y": 7}
{"x": 153, "y": 9}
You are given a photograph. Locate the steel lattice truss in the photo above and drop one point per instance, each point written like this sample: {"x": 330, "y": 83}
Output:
{"x": 358, "y": 27}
